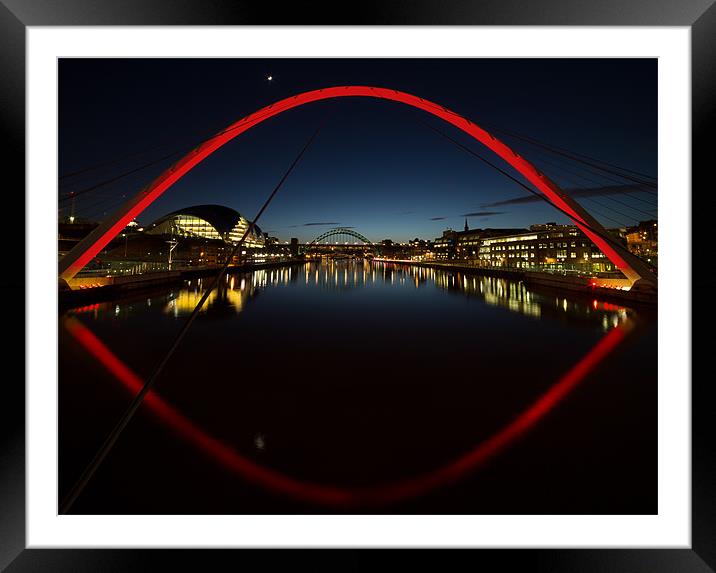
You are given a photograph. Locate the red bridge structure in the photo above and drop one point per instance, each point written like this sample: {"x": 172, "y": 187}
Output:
{"x": 634, "y": 269}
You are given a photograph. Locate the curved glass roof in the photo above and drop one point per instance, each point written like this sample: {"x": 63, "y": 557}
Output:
{"x": 222, "y": 218}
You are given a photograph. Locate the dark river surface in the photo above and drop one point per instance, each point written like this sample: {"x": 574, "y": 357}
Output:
{"x": 358, "y": 387}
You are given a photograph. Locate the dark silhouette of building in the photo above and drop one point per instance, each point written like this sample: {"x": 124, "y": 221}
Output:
{"x": 293, "y": 248}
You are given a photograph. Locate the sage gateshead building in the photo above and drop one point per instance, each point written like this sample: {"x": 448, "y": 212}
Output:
{"x": 215, "y": 222}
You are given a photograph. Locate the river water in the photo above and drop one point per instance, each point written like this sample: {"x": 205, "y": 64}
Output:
{"x": 356, "y": 387}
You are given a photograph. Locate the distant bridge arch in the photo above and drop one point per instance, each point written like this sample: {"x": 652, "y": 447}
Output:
{"x": 632, "y": 267}
{"x": 340, "y": 232}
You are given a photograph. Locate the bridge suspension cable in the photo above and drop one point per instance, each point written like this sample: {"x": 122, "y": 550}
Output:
{"x": 596, "y": 171}
{"x": 139, "y": 398}
{"x": 119, "y": 158}
{"x": 585, "y": 189}
{"x": 608, "y": 238}
{"x": 582, "y": 191}
{"x": 206, "y": 136}
{"x": 73, "y": 194}
{"x": 586, "y": 160}
{"x": 109, "y": 203}
{"x": 592, "y": 176}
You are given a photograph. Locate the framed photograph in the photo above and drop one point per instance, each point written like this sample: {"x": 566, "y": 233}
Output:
{"x": 417, "y": 278}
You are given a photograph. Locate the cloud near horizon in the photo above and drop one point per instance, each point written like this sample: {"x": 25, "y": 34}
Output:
{"x": 578, "y": 192}
{"x": 314, "y": 225}
{"x": 482, "y": 214}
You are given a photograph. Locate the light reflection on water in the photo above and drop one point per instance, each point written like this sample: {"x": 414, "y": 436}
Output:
{"x": 237, "y": 290}
{"x": 353, "y": 373}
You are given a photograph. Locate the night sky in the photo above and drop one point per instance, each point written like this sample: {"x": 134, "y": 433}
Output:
{"x": 375, "y": 165}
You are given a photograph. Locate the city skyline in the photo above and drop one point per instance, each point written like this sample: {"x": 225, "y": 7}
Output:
{"x": 369, "y": 166}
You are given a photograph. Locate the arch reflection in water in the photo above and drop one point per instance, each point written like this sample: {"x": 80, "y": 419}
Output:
{"x": 372, "y": 495}
{"x": 375, "y": 359}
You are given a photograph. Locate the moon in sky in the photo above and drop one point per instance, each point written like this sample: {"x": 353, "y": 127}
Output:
{"x": 269, "y": 78}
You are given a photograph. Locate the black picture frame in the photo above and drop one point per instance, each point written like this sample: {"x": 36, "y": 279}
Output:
{"x": 16, "y": 15}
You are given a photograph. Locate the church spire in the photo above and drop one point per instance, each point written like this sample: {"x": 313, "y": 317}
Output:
{"x": 466, "y": 227}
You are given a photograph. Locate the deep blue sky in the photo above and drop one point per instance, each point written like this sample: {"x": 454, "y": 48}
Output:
{"x": 375, "y": 166}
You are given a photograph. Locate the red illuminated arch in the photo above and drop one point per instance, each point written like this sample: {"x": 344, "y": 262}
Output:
{"x": 90, "y": 246}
